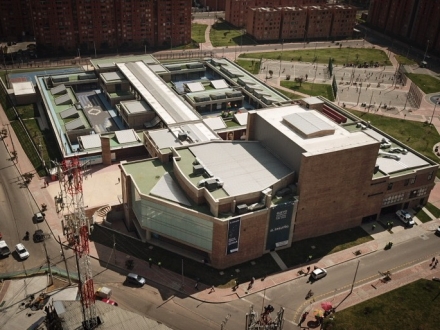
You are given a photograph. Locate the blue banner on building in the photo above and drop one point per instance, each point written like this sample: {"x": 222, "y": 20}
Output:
{"x": 233, "y": 235}
{"x": 279, "y": 225}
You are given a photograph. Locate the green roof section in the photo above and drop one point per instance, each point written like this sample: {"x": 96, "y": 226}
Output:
{"x": 106, "y": 62}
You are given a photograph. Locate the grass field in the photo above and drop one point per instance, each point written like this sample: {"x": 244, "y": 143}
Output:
{"x": 251, "y": 66}
{"x": 434, "y": 210}
{"x": 428, "y": 84}
{"x": 404, "y": 60}
{"x": 417, "y": 135}
{"x": 310, "y": 89}
{"x": 198, "y": 32}
{"x": 340, "y": 56}
{"x": 292, "y": 96}
{"x": 222, "y": 34}
{"x": 414, "y": 306}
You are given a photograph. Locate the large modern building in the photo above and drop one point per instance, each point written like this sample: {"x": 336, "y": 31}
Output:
{"x": 415, "y": 21}
{"x": 292, "y": 20}
{"x": 86, "y": 26}
{"x": 301, "y": 171}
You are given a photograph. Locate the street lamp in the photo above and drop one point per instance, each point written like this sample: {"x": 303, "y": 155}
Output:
{"x": 426, "y": 51}
{"x": 433, "y": 111}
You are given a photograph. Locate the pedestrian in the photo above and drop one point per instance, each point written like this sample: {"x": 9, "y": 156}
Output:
{"x": 308, "y": 269}
{"x": 212, "y": 289}
{"x": 196, "y": 286}
{"x": 159, "y": 264}
{"x": 119, "y": 180}
{"x": 303, "y": 318}
{"x": 252, "y": 280}
{"x": 436, "y": 262}
{"x": 374, "y": 227}
{"x": 150, "y": 262}
{"x": 310, "y": 257}
{"x": 433, "y": 260}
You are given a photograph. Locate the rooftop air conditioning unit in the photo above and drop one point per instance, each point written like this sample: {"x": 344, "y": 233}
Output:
{"x": 182, "y": 136}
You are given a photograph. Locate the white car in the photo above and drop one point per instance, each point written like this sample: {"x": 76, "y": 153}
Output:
{"x": 405, "y": 217}
{"x": 21, "y": 251}
{"x": 318, "y": 273}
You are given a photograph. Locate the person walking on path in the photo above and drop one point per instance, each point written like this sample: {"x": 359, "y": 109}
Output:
{"x": 303, "y": 318}
{"x": 212, "y": 289}
{"x": 150, "y": 262}
{"x": 196, "y": 286}
{"x": 160, "y": 265}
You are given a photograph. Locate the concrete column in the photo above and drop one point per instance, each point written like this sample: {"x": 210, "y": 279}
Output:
{"x": 106, "y": 151}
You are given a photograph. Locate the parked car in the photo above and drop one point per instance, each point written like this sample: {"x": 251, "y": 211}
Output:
{"x": 103, "y": 292}
{"x": 405, "y": 217}
{"x": 135, "y": 279}
{"x": 110, "y": 302}
{"x": 4, "y": 249}
{"x": 39, "y": 217}
{"x": 318, "y": 273}
{"x": 21, "y": 251}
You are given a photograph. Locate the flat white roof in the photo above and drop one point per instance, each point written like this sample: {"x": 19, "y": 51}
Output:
{"x": 109, "y": 76}
{"x": 215, "y": 123}
{"x": 241, "y": 118}
{"x": 244, "y": 167}
{"x": 220, "y": 83}
{"x": 195, "y": 87}
{"x": 126, "y": 136}
{"x": 23, "y": 88}
{"x": 341, "y": 139}
{"x": 162, "y": 99}
{"x": 90, "y": 141}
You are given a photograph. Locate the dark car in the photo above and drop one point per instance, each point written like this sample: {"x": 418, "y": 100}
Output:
{"x": 39, "y": 236}
{"x": 135, "y": 279}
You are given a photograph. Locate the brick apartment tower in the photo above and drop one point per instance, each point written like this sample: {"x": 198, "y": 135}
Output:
{"x": 414, "y": 21}
{"x": 88, "y": 25}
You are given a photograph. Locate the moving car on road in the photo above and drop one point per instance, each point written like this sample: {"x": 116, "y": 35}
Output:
{"x": 21, "y": 251}
{"x": 135, "y": 279}
{"x": 318, "y": 273}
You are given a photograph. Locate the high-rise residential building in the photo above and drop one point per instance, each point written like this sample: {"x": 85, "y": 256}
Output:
{"x": 276, "y": 20}
{"x": 236, "y": 10}
{"x": 96, "y": 24}
{"x": 415, "y": 21}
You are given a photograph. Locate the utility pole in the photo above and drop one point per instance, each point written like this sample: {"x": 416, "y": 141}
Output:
{"x": 48, "y": 263}
{"x": 64, "y": 259}
{"x": 433, "y": 111}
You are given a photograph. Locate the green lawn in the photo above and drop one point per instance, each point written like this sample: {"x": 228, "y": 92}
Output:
{"x": 222, "y": 34}
{"x": 292, "y": 96}
{"x": 198, "y": 32}
{"x": 251, "y": 66}
{"x": 310, "y": 89}
{"x": 417, "y": 135}
{"x": 434, "y": 210}
{"x": 413, "y": 306}
{"x": 321, "y": 246}
{"x": 422, "y": 216}
{"x": 340, "y": 55}
{"x": 28, "y": 111}
{"x": 404, "y": 60}
{"x": 428, "y": 84}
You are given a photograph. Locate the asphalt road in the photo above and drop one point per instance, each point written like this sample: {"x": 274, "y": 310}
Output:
{"x": 185, "y": 313}
{"x": 17, "y": 207}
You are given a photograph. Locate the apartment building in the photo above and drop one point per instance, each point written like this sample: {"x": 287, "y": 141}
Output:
{"x": 343, "y": 21}
{"x": 87, "y": 25}
{"x": 294, "y": 21}
{"x": 414, "y": 21}
{"x": 264, "y": 23}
